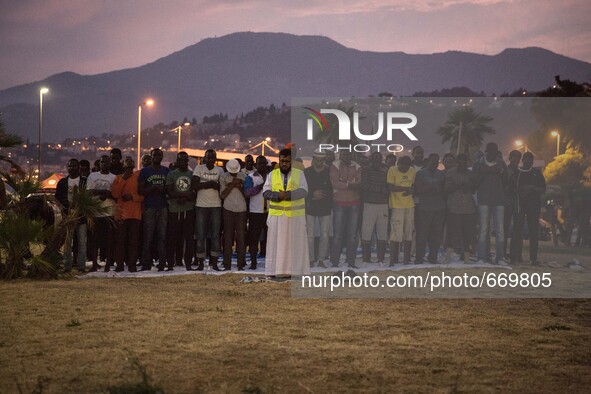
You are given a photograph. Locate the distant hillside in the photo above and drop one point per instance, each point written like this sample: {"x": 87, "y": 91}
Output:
{"x": 238, "y": 72}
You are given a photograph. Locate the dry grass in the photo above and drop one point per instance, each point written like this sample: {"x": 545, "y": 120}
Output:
{"x": 212, "y": 334}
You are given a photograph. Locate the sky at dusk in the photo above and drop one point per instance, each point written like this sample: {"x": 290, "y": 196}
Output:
{"x": 44, "y": 37}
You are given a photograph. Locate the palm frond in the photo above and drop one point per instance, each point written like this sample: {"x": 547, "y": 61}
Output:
{"x": 16, "y": 233}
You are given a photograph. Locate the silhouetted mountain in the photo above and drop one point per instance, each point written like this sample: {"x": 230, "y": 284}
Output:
{"x": 238, "y": 72}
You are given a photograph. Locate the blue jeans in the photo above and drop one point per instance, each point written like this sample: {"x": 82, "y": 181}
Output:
{"x": 80, "y": 232}
{"x": 208, "y": 225}
{"x": 155, "y": 222}
{"x": 345, "y": 226}
{"x": 498, "y": 214}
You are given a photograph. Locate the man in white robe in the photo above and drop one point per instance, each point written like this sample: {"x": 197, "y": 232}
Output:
{"x": 287, "y": 243}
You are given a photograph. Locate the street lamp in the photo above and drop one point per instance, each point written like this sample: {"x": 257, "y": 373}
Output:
{"x": 42, "y": 91}
{"x": 147, "y": 103}
{"x": 520, "y": 144}
{"x": 556, "y": 135}
{"x": 179, "y": 129}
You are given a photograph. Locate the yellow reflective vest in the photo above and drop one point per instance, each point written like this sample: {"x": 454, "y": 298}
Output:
{"x": 287, "y": 208}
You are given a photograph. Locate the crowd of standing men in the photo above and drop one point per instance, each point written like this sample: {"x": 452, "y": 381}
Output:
{"x": 180, "y": 216}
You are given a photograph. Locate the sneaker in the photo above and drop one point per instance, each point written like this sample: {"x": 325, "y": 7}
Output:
{"x": 502, "y": 262}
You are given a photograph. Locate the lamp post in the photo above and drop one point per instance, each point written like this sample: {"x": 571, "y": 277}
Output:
{"x": 148, "y": 103}
{"x": 179, "y": 129}
{"x": 556, "y": 134}
{"x": 42, "y": 91}
{"x": 520, "y": 144}
{"x": 459, "y": 139}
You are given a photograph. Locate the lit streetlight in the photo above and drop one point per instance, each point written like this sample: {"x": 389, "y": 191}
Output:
{"x": 520, "y": 144}
{"x": 147, "y": 103}
{"x": 42, "y": 91}
{"x": 179, "y": 130}
{"x": 556, "y": 135}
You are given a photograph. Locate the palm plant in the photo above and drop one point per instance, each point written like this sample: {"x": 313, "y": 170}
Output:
{"x": 7, "y": 141}
{"x": 22, "y": 224}
{"x": 16, "y": 234}
{"x": 84, "y": 206}
{"x": 474, "y": 126}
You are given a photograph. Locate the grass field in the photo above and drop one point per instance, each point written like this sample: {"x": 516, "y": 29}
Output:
{"x": 213, "y": 334}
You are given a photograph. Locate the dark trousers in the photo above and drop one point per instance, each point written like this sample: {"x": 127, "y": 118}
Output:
{"x": 208, "y": 222}
{"x": 234, "y": 230}
{"x": 461, "y": 231}
{"x": 180, "y": 242}
{"x": 256, "y": 224}
{"x": 102, "y": 235}
{"x": 532, "y": 215}
{"x": 345, "y": 227}
{"x": 154, "y": 231}
{"x": 429, "y": 231}
{"x": 509, "y": 220}
{"x": 127, "y": 243}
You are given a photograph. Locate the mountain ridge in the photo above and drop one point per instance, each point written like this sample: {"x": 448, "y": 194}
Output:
{"x": 240, "y": 71}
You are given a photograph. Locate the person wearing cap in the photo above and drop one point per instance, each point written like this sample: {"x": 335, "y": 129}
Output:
{"x": 208, "y": 215}
{"x": 181, "y": 213}
{"x": 287, "y": 247}
{"x": 128, "y": 216}
{"x": 318, "y": 208}
{"x": 491, "y": 178}
{"x": 233, "y": 214}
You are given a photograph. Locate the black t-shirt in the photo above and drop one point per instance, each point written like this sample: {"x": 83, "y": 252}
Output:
{"x": 318, "y": 181}
{"x": 116, "y": 169}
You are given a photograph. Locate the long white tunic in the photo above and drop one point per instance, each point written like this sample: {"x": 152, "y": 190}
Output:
{"x": 287, "y": 240}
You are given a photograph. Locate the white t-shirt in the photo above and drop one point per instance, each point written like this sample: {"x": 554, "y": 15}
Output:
{"x": 72, "y": 183}
{"x": 98, "y": 181}
{"x": 208, "y": 198}
{"x": 256, "y": 202}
